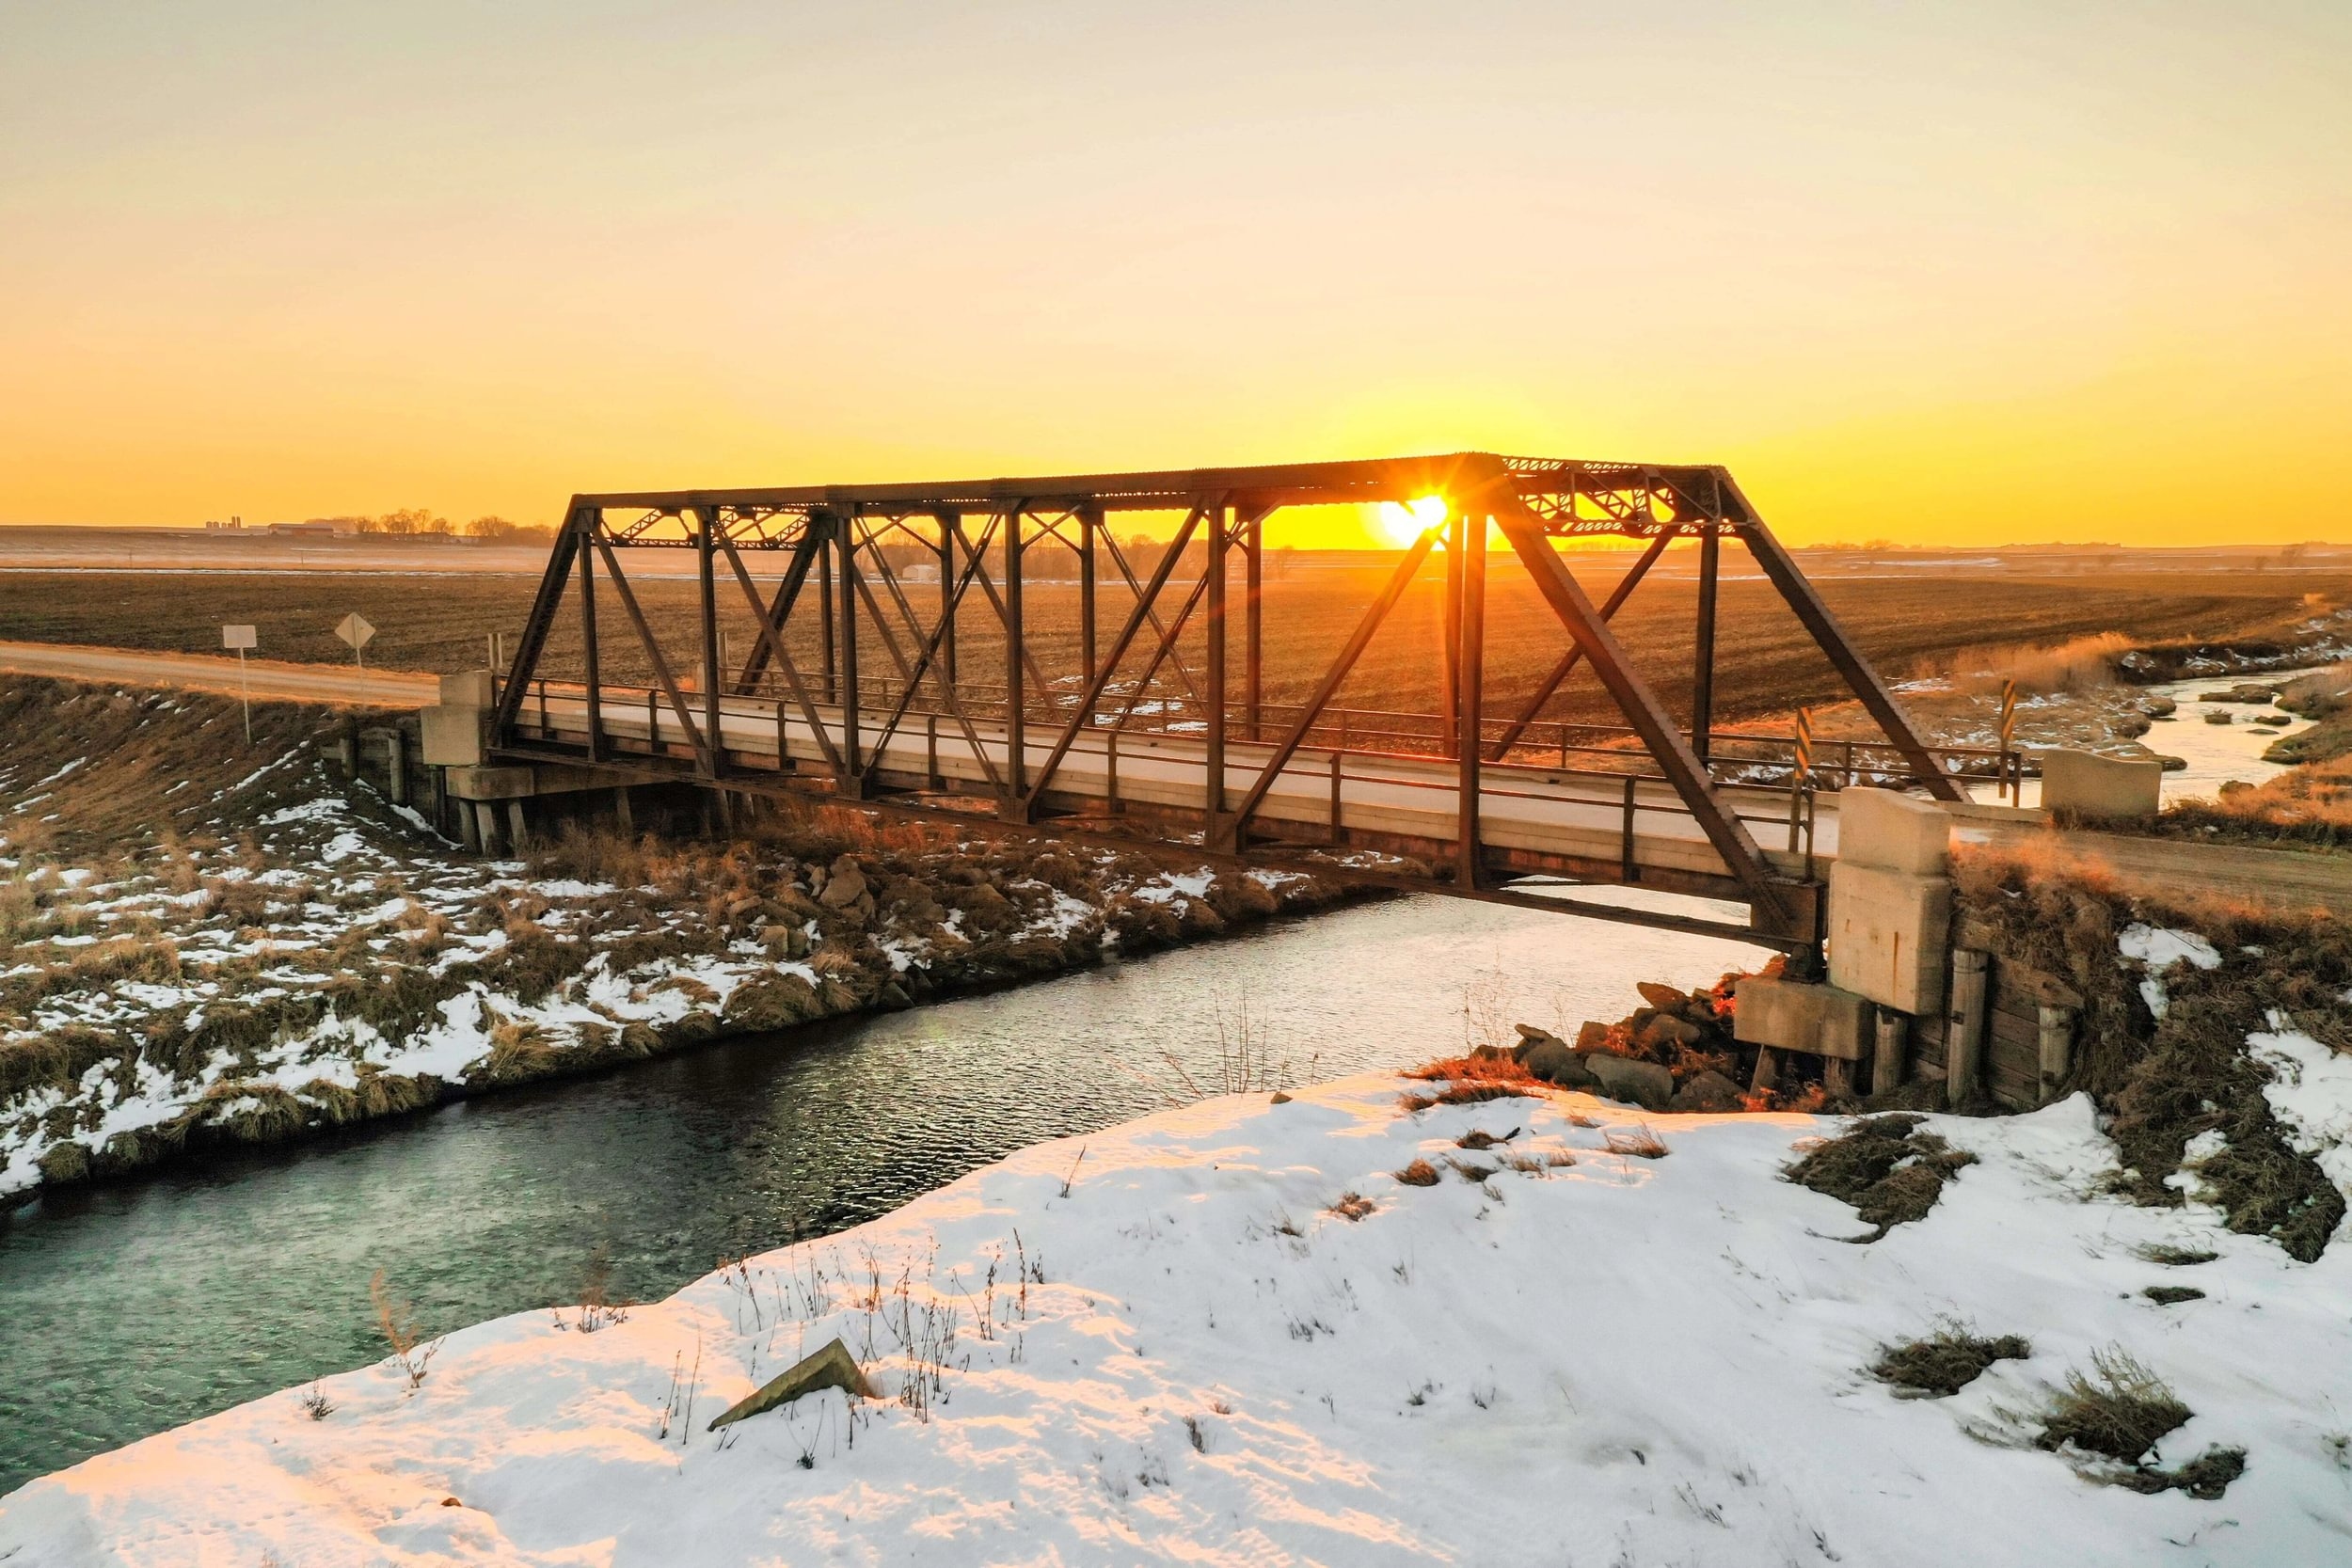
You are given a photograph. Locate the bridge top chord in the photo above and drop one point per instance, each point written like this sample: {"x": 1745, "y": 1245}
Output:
{"x": 1572, "y": 496}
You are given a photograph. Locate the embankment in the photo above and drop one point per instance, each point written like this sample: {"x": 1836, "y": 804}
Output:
{"x": 205, "y": 942}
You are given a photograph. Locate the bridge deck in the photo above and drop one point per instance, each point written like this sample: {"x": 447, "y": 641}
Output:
{"x": 1616, "y": 827}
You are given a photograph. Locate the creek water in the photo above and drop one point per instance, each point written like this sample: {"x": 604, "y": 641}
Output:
{"x": 132, "y": 1308}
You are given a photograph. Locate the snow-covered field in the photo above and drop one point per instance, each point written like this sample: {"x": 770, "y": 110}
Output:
{"x": 1161, "y": 1344}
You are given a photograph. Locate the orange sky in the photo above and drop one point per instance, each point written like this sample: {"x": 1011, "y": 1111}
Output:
{"x": 1959, "y": 272}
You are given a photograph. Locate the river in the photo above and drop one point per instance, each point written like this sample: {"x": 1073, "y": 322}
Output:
{"x": 132, "y": 1308}
{"x": 128, "y": 1308}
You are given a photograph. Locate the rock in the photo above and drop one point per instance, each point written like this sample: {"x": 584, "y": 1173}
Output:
{"x": 1280, "y": 1098}
{"x": 1666, "y": 1029}
{"x": 1664, "y": 998}
{"x": 845, "y": 887}
{"x": 1529, "y": 1038}
{"x": 1644, "y": 1083}
{"x": 1555, "y": 1064}
{"x": 2244, "y": 691}
{"x": 831, "y": 1367}
{"x": 1592, "y": 1037}
{"x": 2219, "y": 716}
{"x": 2234, "y": 787}
{"x": 1709, "y": 1092}
{"x": 1493, "y": 1054}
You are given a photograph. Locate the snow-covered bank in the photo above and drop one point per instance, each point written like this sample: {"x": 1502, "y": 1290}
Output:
{"x": 1162, "y": 1344}
{"x": 204, "y": 943}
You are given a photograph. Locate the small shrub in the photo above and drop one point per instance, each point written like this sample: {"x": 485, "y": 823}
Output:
{"x": 316, "y": 1403}
{"x": 1946, "y": 1361}
{"x": 1351, "y": 1205}
{"x": 1474, "y": 1174}
{"x": 1421, "y": 1173}
{"x": 396, "y": 1321}
{"x": 2119, "y": 1412}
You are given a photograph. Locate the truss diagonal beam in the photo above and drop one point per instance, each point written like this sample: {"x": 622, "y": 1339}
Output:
{"x": 1101, "y": 677}
{"x": 1634, "y": 698}
{"x": 1569, "y": 660}
{"x": 1852, "y": 667}
{"x": 773, "y": 641}
{"x": 705, "y": 748}
{"x": 1329, "y": 687}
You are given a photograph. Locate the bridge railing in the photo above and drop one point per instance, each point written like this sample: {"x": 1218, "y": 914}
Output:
{"x": 1733, "y": 757}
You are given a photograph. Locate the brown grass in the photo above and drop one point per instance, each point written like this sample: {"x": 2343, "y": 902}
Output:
{"x": 1946, "y": 1361}
{"x": 2164, "y": 1081}
{"x": 1351, "y": 1205}
{"x": 1421, "y": 1173}
{"x": 2077, "y": 664}
{"x": 1890, "y": 1171}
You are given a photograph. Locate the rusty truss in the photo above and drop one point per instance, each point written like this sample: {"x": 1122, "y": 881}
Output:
{"x": 881, "y": 651}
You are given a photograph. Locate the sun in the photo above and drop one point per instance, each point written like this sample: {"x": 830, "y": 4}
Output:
{"x": 1402, "y": 523}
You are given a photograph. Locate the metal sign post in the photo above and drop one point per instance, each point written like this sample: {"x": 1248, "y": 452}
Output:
{"x": 240, "y": 638}
{"x": 2009, "y": 728}
{"x": 355, "y": 631}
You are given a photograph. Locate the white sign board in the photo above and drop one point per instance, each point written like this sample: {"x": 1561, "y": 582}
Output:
{"x": 355, "y": 631}
{"x": 239, "y": 638}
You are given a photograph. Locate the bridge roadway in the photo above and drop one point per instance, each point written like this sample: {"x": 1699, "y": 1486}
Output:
{"x": 1530, "y": 819}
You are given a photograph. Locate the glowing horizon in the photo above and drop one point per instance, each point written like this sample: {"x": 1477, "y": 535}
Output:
{"x": 1994, "y": 275}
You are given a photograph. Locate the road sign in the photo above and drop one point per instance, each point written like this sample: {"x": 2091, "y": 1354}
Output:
{"x": 240, "y": 638}
{"x": 355, "y": 631}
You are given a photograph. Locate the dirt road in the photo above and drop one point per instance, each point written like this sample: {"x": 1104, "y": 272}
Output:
{"x": 264, "y": 678}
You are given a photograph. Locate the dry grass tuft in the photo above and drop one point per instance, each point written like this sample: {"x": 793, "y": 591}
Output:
{"x": 1946, "y": 1361}
{"x": 2176, "y": 1257}
{"x": 1351, "y": 1205}
{"x": 1421, "y": 1173}
{"x": 1889, "y": 1170}
{"x": 1639, "y": 1143}
{"x": 2172, "y": 1295}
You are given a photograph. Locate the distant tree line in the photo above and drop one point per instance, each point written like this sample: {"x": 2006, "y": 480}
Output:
{"x": 411, "y": 521}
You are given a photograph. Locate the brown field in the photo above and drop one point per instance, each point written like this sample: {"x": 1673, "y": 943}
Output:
{"x": 1908, "y": 623}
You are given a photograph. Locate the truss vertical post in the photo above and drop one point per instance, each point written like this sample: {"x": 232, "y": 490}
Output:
{"x": 1015, "y": 805}
{"x": 1469, "y": 697}
{"x": 829, "y": 688}
{"x": 1703, "y": 643}
{"x": 854, "y": 781}
{"x": 706, "y": 563}
{"x": 1253, "y": 627}
{"x": 1452, "y": 631}
{"x": 1090, "y": 523}
{"x": 1213, "y": 781}
{"x": 949, "y": 523}
{"x": 585, "y": 521}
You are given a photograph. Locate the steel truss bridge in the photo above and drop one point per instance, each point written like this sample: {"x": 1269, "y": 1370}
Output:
{"x": 1161, "y": 731}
